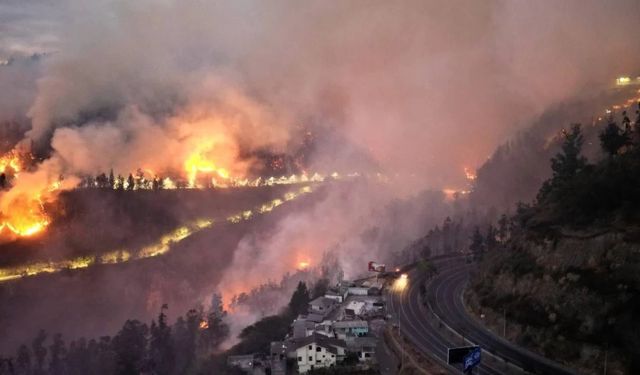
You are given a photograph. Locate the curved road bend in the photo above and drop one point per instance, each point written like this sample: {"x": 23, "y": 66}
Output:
{"x": 444, "y": 297}
{"x": 414, "y": 325}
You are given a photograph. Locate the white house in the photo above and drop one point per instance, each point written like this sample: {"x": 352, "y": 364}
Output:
{"x": 354, "y": 309}
{"x": 318, "y": 351}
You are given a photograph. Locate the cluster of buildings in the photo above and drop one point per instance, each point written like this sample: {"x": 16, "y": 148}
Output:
{"x": 341, "y": 328}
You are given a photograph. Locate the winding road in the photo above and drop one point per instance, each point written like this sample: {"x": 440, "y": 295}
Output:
{"x": 426, "y": 326}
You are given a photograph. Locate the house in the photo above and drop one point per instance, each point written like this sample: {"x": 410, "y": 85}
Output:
{"x": 318, "y": 351}
{"x": 351, "y": 328}
{"x": 322, "y": 305}
{"x": 302, "y": 328}
{"x": 339, "y": 294}
{"x": 358, "y": 290}
{"x": 316, "y": 318}
{"x": 364, "y": 347}
{"x": 278, "y": 350}
{"x": 354, "y": 309}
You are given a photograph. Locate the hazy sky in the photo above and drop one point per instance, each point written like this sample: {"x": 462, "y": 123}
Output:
{"x": 425, "y": 87}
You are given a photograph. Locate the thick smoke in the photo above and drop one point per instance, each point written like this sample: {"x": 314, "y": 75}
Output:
{"x": 422, "y": 88}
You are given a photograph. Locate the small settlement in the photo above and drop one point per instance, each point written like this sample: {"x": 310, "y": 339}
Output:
{"x": 341, "y": 329}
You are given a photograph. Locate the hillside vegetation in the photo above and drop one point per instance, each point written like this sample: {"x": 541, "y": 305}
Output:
{"x": 567, "y": 278}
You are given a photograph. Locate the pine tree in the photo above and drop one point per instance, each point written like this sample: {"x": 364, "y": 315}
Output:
{"x": 23, "y": 360}
{"x": 39, "y": 351}
{"x": 567, "y": 163}
{"x": 161, "y": 345}
{"x": 130, "y": 347}
{"x": 490, "y": 238}
{"x": 58, "y": 356}
{"x": 130, "y": 182}
{"x": 112, "y": 180}
{"x": 503, "y": 228}
{"x": 299, "y": 300}
{"x": 217, "y": 330}
{"x": 477, "y": 244}
{"x": 612, "y": 138}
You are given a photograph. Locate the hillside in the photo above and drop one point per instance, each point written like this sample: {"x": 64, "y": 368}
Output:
{"x": 567, "y": 278}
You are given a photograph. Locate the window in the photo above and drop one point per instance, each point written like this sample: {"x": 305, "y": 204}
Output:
{"x": 310, "y": 347}
{"x": 310, "y": 358}
{"x": 299, "y": 359}
{"x": 367, "y": 355}
{"x": 318, "y": 349}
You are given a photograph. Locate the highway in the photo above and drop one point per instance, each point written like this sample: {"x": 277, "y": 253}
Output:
{"x": 420, "y": 324}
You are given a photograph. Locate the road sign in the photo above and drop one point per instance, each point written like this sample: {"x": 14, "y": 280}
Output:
{"x": 457, "y": 355}
{"x": 472, "y": 359}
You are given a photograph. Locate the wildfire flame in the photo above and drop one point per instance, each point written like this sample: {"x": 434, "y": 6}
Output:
{"x": 198, "y": 162}
{"x": 23, "y": 214}
{"x": 204, "y": 324}
{"x": 160, "y": 247}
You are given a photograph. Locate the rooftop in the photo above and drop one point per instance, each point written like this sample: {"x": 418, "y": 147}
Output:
{"x": 351, "y": 324}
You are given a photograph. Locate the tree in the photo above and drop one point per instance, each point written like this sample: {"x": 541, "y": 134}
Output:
{"x": 112, "y": 179}
{"x": 161, "y": 345}
{"x": 217, "y": 330}
{"x": 185, "y": 335}
{"x": 567, "y": 163}
{"x": 130, "y": 346}
{"x": 23, "y": 360}
{"x": 39, "y": 351}
{"x": 58, "y": 356}
{"x": 490, "y": 238}
{"x": 320, "y": 288}
{"x": 299, "y": 300}
{"x": 477, "y": 243}
{"x": 130, "y": 182}
{"x": 503, "y": 228}
{"x": 120, "y": 183}
{"x": 612, "y": 139}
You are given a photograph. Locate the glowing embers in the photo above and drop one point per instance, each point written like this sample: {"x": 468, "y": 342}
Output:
{"x": 159, "y": 247}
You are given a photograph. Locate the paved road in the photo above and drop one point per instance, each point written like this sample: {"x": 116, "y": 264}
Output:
{"x": 420, "y": 325}
{"x": 445, "y": 300}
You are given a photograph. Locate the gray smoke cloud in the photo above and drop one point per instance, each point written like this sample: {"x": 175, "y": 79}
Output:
{"x": 423, "y": 88}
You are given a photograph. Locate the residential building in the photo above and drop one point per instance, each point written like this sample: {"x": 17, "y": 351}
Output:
{"x": 347, "y": 328}
{"x": 358, "y": 290}
{"x": 318, "y": 351}
{"x": 354, "y": 309}
{"x": 339, "y": 293}
{"x": 322, "y": 305}
{"x": 302, "y": 328}
{"x": 364, "y": 347}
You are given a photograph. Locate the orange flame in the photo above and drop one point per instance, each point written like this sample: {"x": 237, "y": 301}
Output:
{"x": 198, "y": 162}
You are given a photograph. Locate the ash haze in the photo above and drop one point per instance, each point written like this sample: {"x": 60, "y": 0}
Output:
{"x": 416, "y": 90}
{"x": 422, "y": 87}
